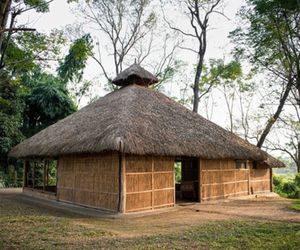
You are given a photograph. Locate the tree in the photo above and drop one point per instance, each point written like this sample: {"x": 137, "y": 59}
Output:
{"x": 289, "y": 126}
{"x": 47, "y": 101}
{"x": 270, "y": 40}
{"x": 9, "y": 11}
{"x": 127, "y": 34}
{"x": 11, "y": 106}
{"x": 199, "y": 13}
{"x": 71, "y": 69}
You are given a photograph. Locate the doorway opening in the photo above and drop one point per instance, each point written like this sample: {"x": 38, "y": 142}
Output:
{"x": 187, "y": 180}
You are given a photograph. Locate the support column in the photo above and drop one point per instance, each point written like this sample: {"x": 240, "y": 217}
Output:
{"x": 122, "y": 184}
{"x": 44, "y": 175}
{"x": 25, "y": 173}
{"x": 271, "y": 179}
{"x": 33, "y": 174}
{"x": 200, "y": 180}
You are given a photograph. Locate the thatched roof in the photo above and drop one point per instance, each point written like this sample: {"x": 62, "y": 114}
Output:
{"x": 135, "y": 74}
{"x": 137, "y": 120}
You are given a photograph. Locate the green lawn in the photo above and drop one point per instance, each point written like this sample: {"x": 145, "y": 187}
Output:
{"x": 296, "y": 205}
{"x": 40, "y": 232}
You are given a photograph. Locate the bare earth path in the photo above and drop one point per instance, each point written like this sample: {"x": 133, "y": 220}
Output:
{"x": 13, "y": 202}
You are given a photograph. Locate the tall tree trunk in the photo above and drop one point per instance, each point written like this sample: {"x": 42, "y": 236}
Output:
{"x": 298, "y": 158}
{"x": 274, "y": 118}
{"x": 4, "y": 12}
{"x": 196, "y": 83}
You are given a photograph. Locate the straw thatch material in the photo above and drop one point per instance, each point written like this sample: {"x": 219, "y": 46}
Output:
{"x": 137, "y": 120}
{"x": 135, "y": 74}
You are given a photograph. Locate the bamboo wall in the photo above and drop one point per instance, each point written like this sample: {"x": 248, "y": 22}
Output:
{"x": 91, "y": 180}
{"x": 221, "y": 179}
{"x": 260, "y": 180}
{"x": 149, "y": 182}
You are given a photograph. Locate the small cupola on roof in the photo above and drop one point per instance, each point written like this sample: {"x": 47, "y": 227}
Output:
{"x": 135, "y": 74}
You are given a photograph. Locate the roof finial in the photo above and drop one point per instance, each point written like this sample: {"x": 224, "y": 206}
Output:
{"x": 135, "y": 74}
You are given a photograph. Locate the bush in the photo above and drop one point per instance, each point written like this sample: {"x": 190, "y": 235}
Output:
{"x": 287, "y": 187}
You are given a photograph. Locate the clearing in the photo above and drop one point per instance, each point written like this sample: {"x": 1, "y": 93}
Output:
{"x": 244, "y": 223}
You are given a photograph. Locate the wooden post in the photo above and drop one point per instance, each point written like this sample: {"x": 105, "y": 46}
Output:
{"x": 122, "y": 184}
{"x": 271, "y": 179}
{"x": 249, "y": 169}
{"x": 152, "y": 183}
{"x": 44, "y": 175}
{"x": 47, "y": 172}
{"x": 25, "y": 173}
{"x": 33, "y": 174}
{"x": 200, "y": 180}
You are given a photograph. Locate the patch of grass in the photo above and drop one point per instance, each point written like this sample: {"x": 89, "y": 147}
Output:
{"x": 39, "y": 232}
{"x": 295, "y": 206}
{"x": 223, "y": 235}
{"x": 43, "y": 232}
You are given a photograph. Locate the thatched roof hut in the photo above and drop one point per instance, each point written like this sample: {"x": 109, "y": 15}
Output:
{"x": 138, "y": 122}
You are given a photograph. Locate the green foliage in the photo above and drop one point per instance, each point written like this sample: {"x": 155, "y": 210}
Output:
{"x": 178, "y": 172}
{"x": 71, "y": 69}
{"x": 271, "y": 36}
{"x": 220, "y": 73}
{"x": 47, "y": 102}
{"x": 296, "y": 205}
{"x": 10, "y": 114}
{"x": 12, "y": 178}
{"x": 287, "y": 187}
{"x": 38, "y": 5}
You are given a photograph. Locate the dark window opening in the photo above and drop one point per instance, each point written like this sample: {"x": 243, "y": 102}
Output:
{"x": 239, "y": 164}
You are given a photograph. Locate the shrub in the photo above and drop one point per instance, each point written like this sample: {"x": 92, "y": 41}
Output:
{"x": 287, "y": 187}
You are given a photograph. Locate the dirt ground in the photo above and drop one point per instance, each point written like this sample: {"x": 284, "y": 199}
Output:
{"x": 266, "y": 208}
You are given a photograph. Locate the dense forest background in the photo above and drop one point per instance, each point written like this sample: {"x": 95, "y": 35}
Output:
{"x": 43, "y": 75}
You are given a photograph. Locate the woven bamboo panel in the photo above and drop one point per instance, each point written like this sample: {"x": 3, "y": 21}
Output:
{"x": 220, "y": 179}
{"x": 138, "y": 201}
{"x": 91, "y": 180}
{"x": 260, "y": 186}
{"x": 259, "y": 174}
{"x": 66, "y": 194}
{"x": 163, "y": 164}
{"x": 211, "y": 177}
{"x": 212, "y": 191}
{"x": 241, "y": 187}
{"x": 163, "y": 180}
{"x": 163, "y": 197}
{"x": 139, "y": 182}
{"x": 228, "y": 176}
{"x": 229, "y": 188}
{"x": 106, "y": 183}
{"x": 136, "y": 164}
{"x": 149, "y": 182}
{"x": 260, "y": 180}
{"x": 242, "y": 174}
{"x": 84, "y": 181}
{"x": 106, "y": 200}
{"x": 210, "y": 164}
